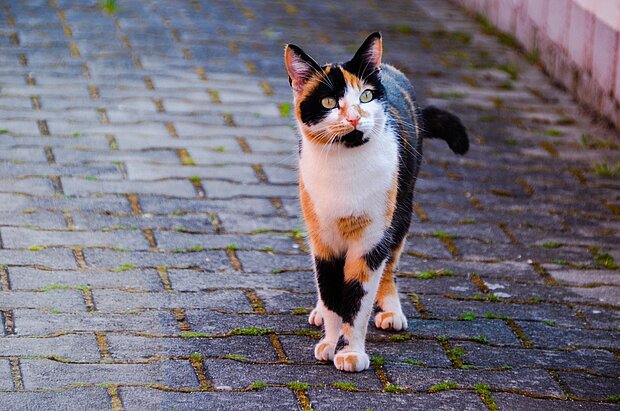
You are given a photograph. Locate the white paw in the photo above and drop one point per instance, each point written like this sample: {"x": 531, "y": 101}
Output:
{"x": 390, "y": 320}
{"x": 316, "y": 317}
{"x": 324, "y": 350}
{"x": 351, "y": 361}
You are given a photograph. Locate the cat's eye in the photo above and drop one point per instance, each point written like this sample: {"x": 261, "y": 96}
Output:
{"x": 329, "y": 102}
{"x": 366, "y": 96}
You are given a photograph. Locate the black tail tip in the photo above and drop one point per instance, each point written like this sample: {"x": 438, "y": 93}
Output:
{"x": 442, "y": 124}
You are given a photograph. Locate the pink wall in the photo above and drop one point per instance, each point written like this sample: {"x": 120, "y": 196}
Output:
{"x": 578, "y": 41}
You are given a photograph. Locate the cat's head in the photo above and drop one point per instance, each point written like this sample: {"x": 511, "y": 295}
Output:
{"x": 338, "y": 103}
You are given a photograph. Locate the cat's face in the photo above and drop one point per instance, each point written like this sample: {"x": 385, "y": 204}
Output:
{"x": 338, "y": 103}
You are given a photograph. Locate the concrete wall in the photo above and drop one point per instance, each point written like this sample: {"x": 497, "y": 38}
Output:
{"x": 578, "y": 42}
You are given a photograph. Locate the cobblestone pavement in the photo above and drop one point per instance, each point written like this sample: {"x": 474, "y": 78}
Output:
{"x": 151, "y": 247}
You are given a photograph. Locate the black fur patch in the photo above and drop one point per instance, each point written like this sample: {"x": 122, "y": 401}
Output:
{"x": 332, "y": 85}
{"x": 342, "y": 298}
{"x": 330, "y": 278}
{"x": 342, "y": 342}
{"x": 353, "y": 139}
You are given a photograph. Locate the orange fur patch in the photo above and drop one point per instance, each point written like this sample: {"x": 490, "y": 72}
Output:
{"x": 391, "y": 201}
{"x": 351, "y": 79}
{"x": 319, "y": 248}
{"x": 356, "y": 270}
{"x": 352, "y": 228}
{"x": 387, "y": 286}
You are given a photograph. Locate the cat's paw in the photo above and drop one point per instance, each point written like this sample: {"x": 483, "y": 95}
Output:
{"x": 316, "y": 317}
{"x": 351, "y": 361}
{"x": 324, "y": 350}
{"x": 391, "y": 320}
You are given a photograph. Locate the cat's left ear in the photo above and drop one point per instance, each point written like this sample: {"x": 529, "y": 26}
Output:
{"x": 369, "y": 54}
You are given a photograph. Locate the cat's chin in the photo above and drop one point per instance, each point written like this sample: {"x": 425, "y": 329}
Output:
{"x": 354, "y": 138}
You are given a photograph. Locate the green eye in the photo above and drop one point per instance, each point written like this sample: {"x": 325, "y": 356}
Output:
{"x": 329, "y": 102}
{"x": 366, "y": 96}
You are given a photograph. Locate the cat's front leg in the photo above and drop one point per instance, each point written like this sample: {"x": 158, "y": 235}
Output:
{"x": 361, "y": 281}
{"x": 329, "y": 273}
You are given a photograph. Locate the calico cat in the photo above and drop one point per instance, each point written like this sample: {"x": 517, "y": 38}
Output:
{"x": 359, "y": 155}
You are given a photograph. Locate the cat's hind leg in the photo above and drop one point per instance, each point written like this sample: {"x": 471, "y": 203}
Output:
{"x": 316, "y": 315}
{"x": 388, "y": 312}
{"x": 329, "y": 272}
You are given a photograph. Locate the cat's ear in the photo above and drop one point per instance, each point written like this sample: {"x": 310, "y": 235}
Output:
{"x": 368, "y": 57}
{"x": 300, "y": 66}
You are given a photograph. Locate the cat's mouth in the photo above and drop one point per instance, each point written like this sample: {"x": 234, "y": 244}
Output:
{"x": 353, "y": 139}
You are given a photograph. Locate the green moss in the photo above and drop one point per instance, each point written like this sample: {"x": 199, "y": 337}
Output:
{"x": 124, "y": 267}
{"x": 486, "y": 118}
{"x": 403, "y": 28}
{"x": 511, "y": 141}
{"x": 456, "y": 352}
{"x": 484, "y": 391}
{"x": 235, "y": 357}
{"x": 533, "y": 56}
{"x": 590, "y": 142}
{"x": 481, "y": 339}
{"x": 251, "y": 331}
{"x": 442, "y": 338}
{"x": 492, "y": 316}
{"x": 468, "y": 316}
{"x": 196, "y": 356}
{"x": 298, "y": 386}
{"x": 511, "y": 69}
{"x": 506, "y": 367}
{"x": 109, "y": 6}
{"x": 231, "y": 247}
{"x": 400, "y": 337}
{"x": 377, "y": 360}
{"x": 602, "y": 169}
{"x": 195, "y": 249}
{"x": 451, "y": 95}
{"x": 193, "y": 334}
{"x": 266, "y": 249}
{"x": 195, "y": 179}
{"x": 560, "y": 262}
{"x": 349, "y": 386}
{"x": 414, "y": 362}
{"x": 506, "y": 85}
{"x": 36, "y": 247}
{"x": 258, "y": 385}
{"x": 298, "y": 233}
{"x": 65, "y": 287}
{"x": 220, "y": 149}
{"x": 443, "y": 386}
{"x": 393, "y": 388}
{"x": 551, "y": 244}
{"x": 614, "y": 398}
{"x": 285, "y": 109}
{"x": 493, "y": 298}
{"x": 300, "y": 310}
{"x": 550, "y": 323}
{"x": 4, "y": 131}
{"x": 606, "y": 261}
{"x": 430, "y": 274}
{"x": 441, "y": 234}
{"x": 554, "y": 132}
{"x": 309, "y": 333}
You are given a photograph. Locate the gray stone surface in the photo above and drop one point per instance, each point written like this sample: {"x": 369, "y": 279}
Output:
{"x": 151, "y": 241}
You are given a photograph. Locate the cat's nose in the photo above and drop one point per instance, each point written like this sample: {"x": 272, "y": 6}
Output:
{"x": 353, "y": 119}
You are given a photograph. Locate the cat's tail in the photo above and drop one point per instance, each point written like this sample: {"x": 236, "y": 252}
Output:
{"x": 438, "y": 123}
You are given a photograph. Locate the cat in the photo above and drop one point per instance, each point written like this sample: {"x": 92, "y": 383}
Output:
{"x": 359, "y": 155}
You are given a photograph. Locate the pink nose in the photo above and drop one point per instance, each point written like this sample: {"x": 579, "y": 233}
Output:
{"x": 353, "y": 121}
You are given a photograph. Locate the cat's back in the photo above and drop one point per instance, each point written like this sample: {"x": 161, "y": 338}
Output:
{"x": 399, "y": 90}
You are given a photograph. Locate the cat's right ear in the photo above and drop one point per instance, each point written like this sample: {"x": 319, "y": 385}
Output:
{"x": 300, "y": 66}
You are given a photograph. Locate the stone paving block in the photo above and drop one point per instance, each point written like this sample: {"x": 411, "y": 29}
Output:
{"x": 75, "y": 399}
{"x": 22, "y": 154}
{"x": 38, "y": 374}
{"x": 13, "y": 203}
{"x": 53, "y": 258}
{"x": 601, "y": 317}
{"x": 24, "y": 278}
{"x": 223, "y": 189}
{"x": 113, "y": 300}
{"x": 241, "y": 223}
{"x": 77, "y": 156}
{"x": 190, "y": 280}
{"x": 171, "y": 240}
{"x": 256, "y": 262}
{"x": 495, "y": 331}
{"x": 138, "y": 171}
{"x": 6, "y": 380}
{"x": 267, "y": 399}
{"x": 460, "y": 286}
{"x": 37, "y": 219}
{"x": 258, "y": 206}
{"x": 132, "y": 347}
{"x": 514, "y": 402}
{"x": 237, "y": 374}
{"x": 40, "y": 170}
{"x": 59, "y": 300}
{"x": 24, "y": 238}
{"x": 601, "y": 361}
{"x": 506, "y": 269}
{"x": 32, "y": 186}
{"x": 453, "y": 309}
{"x": 534, "y": 381}
{"x": 119, "y": 260}
{"x": 590, "y": 386}
{"x": 332, "y": 399}
{"x": 201, "y": 223}
{"x": 41, "y": 323}
{"x": 81, "y": 187}
{"x": 604, "y": 294}
{"x": 544, "y": 336}
{"x": 212, "y": 322}
{"x": 585, "y": 277}
{"x": 75, "y": 347}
